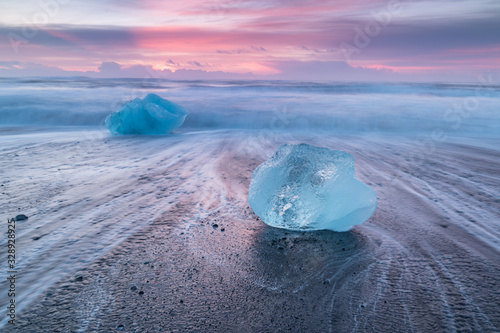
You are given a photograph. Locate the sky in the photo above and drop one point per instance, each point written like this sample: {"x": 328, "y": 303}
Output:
{"x": 363, "y": 40}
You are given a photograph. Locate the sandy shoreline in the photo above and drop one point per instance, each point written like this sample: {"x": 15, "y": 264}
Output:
{"x": 200, "y": 260}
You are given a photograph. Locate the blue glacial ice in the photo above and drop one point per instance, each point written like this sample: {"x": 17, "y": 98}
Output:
{"x": 303, "y": 187}
{"x": 152, "y": 115}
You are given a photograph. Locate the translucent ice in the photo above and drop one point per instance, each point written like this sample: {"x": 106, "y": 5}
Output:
{"x": 152, "y": 115}
{"x": 303, "y": 187}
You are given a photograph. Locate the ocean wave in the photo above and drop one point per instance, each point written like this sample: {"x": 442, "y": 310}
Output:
{"x": 270, "y": 105}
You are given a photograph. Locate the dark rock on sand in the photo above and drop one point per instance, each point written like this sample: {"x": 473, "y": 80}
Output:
{"x": 21, "y": 217}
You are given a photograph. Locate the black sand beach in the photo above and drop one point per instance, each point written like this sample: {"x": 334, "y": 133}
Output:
{"x": 168, "y": 243}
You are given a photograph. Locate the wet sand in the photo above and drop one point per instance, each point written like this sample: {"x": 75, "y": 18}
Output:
{"x": 148, "y": 235}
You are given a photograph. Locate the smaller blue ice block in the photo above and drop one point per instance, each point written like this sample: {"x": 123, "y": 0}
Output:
{"x": 304, "y": 187}
{"x": 152, "y": 115}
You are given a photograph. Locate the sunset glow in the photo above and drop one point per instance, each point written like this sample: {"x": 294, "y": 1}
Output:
{"x": 398, "y": 40}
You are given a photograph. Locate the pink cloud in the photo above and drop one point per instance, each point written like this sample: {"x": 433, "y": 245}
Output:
{"x": 240, "y": 36}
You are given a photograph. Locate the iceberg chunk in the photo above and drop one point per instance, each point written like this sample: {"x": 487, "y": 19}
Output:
{"x": 303, "y": 187}
{"x": 152, "y": 115}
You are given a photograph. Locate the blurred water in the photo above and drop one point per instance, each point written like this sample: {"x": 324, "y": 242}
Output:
{"x": 340, "y": 107}
{"x": 430, "y": 251}
{"x": 426, "y": 261}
